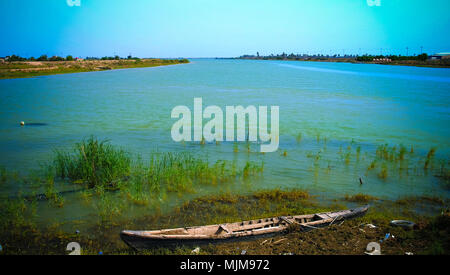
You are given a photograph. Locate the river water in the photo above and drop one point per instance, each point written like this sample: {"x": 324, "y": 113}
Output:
{"x": 337, "y": 108}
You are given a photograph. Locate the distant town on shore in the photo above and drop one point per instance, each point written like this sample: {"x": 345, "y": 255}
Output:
{"x": 433, "y": 60}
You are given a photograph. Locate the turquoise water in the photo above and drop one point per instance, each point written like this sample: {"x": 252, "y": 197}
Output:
{"x": 337, "y": 107}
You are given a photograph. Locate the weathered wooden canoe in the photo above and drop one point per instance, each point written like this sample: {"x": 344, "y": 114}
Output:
{"x": 237, "y": 231}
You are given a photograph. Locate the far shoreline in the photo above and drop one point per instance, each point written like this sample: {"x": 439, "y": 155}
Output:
{"x": 426, "y": 64}
{"x": 27, "y": 69}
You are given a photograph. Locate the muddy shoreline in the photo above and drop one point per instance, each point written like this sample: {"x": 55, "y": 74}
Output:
{"x": 430, "y": 236}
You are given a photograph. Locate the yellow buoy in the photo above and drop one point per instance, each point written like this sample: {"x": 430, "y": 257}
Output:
{"x": 22, "y": 123}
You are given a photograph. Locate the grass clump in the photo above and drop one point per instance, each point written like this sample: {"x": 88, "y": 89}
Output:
{"x": 372, "y": 165}
{"x": 278, "y": 195}
{"x": 402, "y": 152}
{"x": 93, "y": 162}
{"x": 383, "y": 174}
{"x": 412, "y": 201}
{"x": 180, "y": 171}
{"x": 3, "y": 174}
{"x": 429, "y": 158}
{"x": 360, "y": 198}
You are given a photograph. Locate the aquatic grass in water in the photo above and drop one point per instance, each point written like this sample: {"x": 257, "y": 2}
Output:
{"x": 383, "y": 174}
{"x": 429, "y": 158}
{"x": 180, "y": 171}
{"x": 108, "y": 207}
{"x": 6, "y": 175}
{"x": 104, "y": 167}
{"x": 93, "y": 162}
{"x": 3, "y": 175}
{"x": 52, "y": 195}
{"x": 16, "y": 213}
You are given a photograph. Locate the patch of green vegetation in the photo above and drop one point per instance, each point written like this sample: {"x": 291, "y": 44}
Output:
{"x": 412, "y": 201}
{"x": 383, "y": 174}
{"x": 402, "y": 152}
{"x": 53, "y": 196}
{"x": 360, "y": 198}
{"x": 178, "y": 172}
{"x": 438, "y": 231}
{"x": 93, "y": 162}
{"x": 278, "y": 195}
{"x": 429, "y": 158}
{"x": 372, "y": 165}
{"x": 358, "y": 152}
{"x": 3, "y": 175}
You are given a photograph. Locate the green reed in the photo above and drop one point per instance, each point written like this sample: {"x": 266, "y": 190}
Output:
{"x": 181, "y": 171}
{"x": 93, "y": 162}
{"x": 383, "y": 174}
{"x": 3, "y": 175}
{"x": 429, "y": 158}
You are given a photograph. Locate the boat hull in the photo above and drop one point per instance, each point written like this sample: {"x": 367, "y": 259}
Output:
{"x": 140, "y": 240}
{"x": 140, "y": 243}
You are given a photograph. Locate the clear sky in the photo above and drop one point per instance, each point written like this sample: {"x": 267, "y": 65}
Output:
{"x": 224, "y": 28}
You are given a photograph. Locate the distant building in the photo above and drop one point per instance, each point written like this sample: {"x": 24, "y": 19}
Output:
{"x": 439, "y": 56}
{"x": 382, "y": 60}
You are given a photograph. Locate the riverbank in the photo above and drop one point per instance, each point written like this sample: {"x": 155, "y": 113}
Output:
{"x": 443, "y": 63}
{"x": 22, "y": 69}
{"x": 430, "y": 236}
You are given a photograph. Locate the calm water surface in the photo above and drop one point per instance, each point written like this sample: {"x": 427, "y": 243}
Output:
{"x": 347, "y": 104}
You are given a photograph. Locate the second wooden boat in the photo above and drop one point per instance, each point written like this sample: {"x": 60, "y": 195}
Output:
{"x": 238, "y": 231}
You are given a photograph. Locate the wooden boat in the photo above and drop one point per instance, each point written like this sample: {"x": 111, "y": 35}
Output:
{"x": 238, "y": 231}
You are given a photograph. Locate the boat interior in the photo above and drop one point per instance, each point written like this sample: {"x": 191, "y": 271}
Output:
{"x": 238, "y": 227}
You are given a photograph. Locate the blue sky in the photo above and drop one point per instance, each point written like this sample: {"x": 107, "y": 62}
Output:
{"x": 225, "y": 28}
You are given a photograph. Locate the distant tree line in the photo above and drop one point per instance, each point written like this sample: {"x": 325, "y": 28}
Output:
{"x": 67, "y": 58}
{"x": 43, "y": 57}
{"x": 292, "y": 56}
{"x": 116, "y": 57}
{"x": 364, "y": 58}
{"x": 369, "y": 58}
